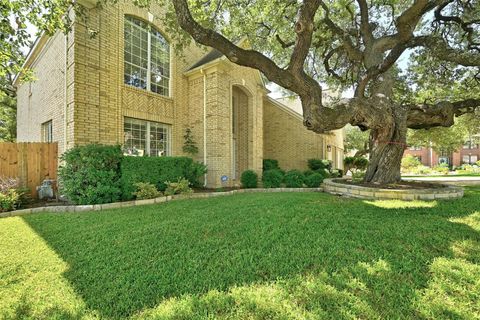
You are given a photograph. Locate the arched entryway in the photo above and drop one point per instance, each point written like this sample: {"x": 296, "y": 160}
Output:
{"x": 240, "y": 131}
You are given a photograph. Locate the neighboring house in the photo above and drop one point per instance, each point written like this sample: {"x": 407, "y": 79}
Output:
{"x": 127, "y": 86}
{"x": 469, "y": 153}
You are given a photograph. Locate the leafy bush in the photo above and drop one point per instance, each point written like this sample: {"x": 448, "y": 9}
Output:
{"x": 146, "y": 190}
{"x": 270, "y": 164}
{"x": 358, "y": 176}
{"x": 360, "y": 163}
{"x": 348, "y": 163}
{"x": 182, "y": 186}
{"x": 294, "y": 179}
{"x": 314, "y": 180}
{"x": 249, "y": 179}
{"x": 309, "y": 172}
{"x": 335, "y": 173}
{"x": 157, "y": 171}
{"x": 355, "y": 163}
{"x": 442, "y": 169}
{"x": 9, "y": 200}
{"x": 91, "y": 174}
{"x": 409, "y": 163}
{"x": 272, "y": 178}
{"x": 318, "y": 164}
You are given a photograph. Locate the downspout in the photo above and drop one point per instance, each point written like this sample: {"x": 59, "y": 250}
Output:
{"x": 65, "y": 104}
{"x": 204, "y": 123}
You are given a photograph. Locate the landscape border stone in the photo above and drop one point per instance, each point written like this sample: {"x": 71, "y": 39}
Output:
{"x": 447, "y": 192}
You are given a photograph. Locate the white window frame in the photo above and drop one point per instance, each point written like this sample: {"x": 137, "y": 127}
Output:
{"x": 168, "y": 127}
{"x": 149, "y": 58}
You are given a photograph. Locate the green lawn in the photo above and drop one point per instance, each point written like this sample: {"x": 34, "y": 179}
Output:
{"x": 248, "y": 256}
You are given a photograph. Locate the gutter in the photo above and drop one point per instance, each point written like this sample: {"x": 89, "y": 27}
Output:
{"x": 204, "y": 123}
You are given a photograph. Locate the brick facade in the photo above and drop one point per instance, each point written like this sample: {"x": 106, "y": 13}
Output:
{"x": 81, "y": 88}
{"x": 430, "y": 158}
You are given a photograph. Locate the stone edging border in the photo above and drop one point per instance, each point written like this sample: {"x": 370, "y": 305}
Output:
{"x": 446, "y": 193}
{"x": 114, "y": 205}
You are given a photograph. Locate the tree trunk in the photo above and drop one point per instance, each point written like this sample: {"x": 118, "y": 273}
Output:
{"x": 386, "y": 149}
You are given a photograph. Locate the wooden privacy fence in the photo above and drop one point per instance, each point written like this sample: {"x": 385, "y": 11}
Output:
{"x": 31, "y": 163}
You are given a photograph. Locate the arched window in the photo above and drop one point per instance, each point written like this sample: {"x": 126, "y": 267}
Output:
{"x": 146, "y": 57}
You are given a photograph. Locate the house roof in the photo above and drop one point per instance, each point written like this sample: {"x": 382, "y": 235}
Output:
{"x": 209, "y": 57}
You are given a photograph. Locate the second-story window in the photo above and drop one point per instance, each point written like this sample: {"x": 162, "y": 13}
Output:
{"x": 147, "y": 57}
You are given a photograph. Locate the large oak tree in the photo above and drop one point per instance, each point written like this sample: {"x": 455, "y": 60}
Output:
{"x": 302, "y": 44}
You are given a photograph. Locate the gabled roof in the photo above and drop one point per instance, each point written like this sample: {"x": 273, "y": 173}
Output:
{"x": 209, "y": 57}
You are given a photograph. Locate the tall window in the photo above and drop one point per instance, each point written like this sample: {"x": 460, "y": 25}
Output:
{"x": 147, "y": 57}
{"x": 47, "y": 131}
{"x": 146, "y": 138}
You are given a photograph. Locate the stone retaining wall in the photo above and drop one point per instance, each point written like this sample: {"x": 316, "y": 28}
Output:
{"x": 97, "y": 207}
{"x": 448, "y": 192}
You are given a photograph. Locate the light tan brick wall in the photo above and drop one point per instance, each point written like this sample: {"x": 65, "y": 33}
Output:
{"x": 43, "y": 99}
{"x": 287, "y": 140}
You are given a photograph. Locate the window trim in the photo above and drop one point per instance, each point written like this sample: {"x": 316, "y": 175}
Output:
{"x": 47, "y": 131}
{"x": 150, "y": 26}
{"x": 168, "y": 127}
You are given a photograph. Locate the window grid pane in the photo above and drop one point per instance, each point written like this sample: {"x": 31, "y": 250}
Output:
{"x": 153, "y": 75}
{"x": 146, "y": 138}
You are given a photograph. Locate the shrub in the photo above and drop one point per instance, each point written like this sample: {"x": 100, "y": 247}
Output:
{"x": 249, "y": 179}
{"x": 314, "y": 180}
{"x": 409, "y": 163}
{"x": 294, "y": 179}
{"x": 91, "y": 174}
{"x": 157, "y": 171}
{"x": 272, "y": 178}
{"x": 335, "y": 173}
{"x": 146, "y": 190}
{"x": 318, "y": 164}
{"x": 309, "y": 172}
{"x": 441, "y": 169}
{"x": 9, "y": 200}
{"x": 360, "y": 163}
{"x": 182, "y": 186}
{"x": 348, "y": 163}
{"x": 358, "y": 176}
{"x": 270, "y": 164}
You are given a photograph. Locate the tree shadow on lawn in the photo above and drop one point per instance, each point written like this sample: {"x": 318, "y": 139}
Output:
{"x": 124, "y": 261}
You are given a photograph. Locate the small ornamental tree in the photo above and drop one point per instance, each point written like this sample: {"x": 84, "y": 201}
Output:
{"x": 189, "y": 145}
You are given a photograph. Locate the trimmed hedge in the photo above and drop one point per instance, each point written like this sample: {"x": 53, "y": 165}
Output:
{"x": 314, "y": 180}
{"x": 272, "y": 178}
{"x": 270, "y": 164}
{"x": 249, "y": 179}
{"x": 91, "y": 174}
{"x": 294, "y": 179}
{"x": 157, "y": 171}
{"x": 318, "y": 164}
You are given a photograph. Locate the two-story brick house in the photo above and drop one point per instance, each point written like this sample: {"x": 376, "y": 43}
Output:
{"x": 126, "y": 85}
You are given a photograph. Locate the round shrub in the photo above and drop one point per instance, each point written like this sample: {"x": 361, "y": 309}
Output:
{"x": 294, "y": 179}
{"x": 270, "y": 164}
{"x": 314, "y": 180}
{"x": 249, "y": 179}
{"x": 360, "y": 163}
{"x": 272, "y": 178}
{"x": 91, "y": 174}
{"x": 318, "y": 164}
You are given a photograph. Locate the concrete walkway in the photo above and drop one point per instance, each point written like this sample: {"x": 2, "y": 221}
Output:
{"x": 447, "y": 180}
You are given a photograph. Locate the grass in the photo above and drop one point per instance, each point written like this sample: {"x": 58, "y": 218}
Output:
{"x": 248, "y": 256}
